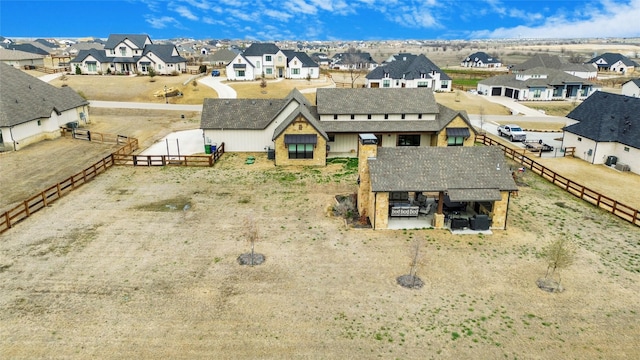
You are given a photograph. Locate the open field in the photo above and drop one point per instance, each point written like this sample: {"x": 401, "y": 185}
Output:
{"x": 141, "y": 263}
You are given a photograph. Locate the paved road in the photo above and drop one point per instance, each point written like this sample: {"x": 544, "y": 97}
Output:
{"x": 148, "y": 106}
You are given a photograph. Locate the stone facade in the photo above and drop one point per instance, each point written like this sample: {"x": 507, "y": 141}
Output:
{"x": 300, "y": 126}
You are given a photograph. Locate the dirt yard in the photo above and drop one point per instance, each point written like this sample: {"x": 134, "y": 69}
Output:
{"x": 141, "y": 263}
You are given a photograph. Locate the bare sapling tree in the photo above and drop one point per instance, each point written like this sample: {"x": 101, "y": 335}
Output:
{"x": 195, "y": 85}
{"x": 559, "y": 254}
{"x": 412, "y": 280}
{"x": 252, "y": 236}
{"x": 482, "y": 118}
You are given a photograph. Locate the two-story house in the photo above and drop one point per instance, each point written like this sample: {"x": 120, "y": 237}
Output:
{"x": 409, "y": 71}
{"x": 130, "y": 53}
{"x": 267, "y": 59}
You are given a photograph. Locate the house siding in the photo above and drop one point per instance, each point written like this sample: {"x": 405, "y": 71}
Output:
{"x": 602, "y": 150}
{"x": 457, "y": 122}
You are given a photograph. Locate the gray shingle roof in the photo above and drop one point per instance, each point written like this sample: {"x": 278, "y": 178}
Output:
{"x": 469, "y": 168}
{"x": 481, "y": 56}
{"x": 376, "y": 101}
{"x": 606, "y": 117}
{"x": 259, "y": 49}
{"x": 115, "y": 39}
{"x": 302, "y": 56}
{"x": 99, "y": 55}
{"x": 24, "y": 98}
{"x": 554, "y": 78}
{"x": 612, "y": 58}
{"x": 164, "y": 52}
{"x": 411, "y": 68}
{"x": 17, "y": 55}
{"x": 551, "y": 62}
{"x": 30, "y": 48}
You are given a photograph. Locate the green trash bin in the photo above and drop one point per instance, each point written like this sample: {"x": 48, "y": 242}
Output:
{"x": 207, "y": 149}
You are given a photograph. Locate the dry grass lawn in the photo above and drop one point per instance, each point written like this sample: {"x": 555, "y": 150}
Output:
{"x": 136, "y": 88}
{"x": 141, "y": 263}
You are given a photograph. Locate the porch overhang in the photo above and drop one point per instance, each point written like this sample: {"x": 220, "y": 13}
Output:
{"x": 458, "y": 132}
{"x": 300, "y": 139}
{"x": 463, "y": 195}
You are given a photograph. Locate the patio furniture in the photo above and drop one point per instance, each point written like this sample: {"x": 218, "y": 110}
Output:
{"x": 405, "y": 211}
{"x": 479, "y": 222}
{"x": 459, "y": 223}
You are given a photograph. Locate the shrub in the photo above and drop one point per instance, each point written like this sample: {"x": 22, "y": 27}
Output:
{"x": 202, "y": 68}
{"x": 78, "y": 71}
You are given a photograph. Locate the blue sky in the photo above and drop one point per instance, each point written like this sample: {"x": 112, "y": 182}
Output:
{"x": 273, "y": 20}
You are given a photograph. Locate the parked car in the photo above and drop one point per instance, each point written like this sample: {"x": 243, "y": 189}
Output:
{"x": 513, "y": 132}
{"x": 537, "y": 146}
{"x": 215, "y": 73}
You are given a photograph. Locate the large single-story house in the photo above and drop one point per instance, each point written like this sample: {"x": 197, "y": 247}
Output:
{"x": 32, "y": 110}
{"x": 631, "y": 88}
{"x": 540, "y": 84}
{"x": 409, "y": 71}
{"x": 398, "y": 117}
{"x": 268, "y": 59}
{"x": 354, "y": 60}
{"x": 583, "y": 71}
{"x": 133, "y": 53}
{"x": 481, "y": 59}
{"x": 607, "y": 131}
{"x": 614, "y": 62}
{"x": 394, "y": 180}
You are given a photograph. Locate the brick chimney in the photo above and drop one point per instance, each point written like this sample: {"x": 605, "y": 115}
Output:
{"x": 367, "y": 149}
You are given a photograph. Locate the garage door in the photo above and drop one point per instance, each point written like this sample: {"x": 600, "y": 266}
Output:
{"x": 496, "y": 91}
{"x": 508, "y": 92}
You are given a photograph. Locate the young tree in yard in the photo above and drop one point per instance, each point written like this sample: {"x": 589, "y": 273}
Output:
{"x": 559, "y": 254}
{"x": 252, "y": 235}
{"x": 263, "y": 81}
{"x": 152, "y": 74}
{"x": 412, "y": 280}
{"x": 195, "y": 85}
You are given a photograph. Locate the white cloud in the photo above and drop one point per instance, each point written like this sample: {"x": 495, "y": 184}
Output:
{"x": 301, "y": 6}
{"x": 279, "y": 15}
{"x": 611, "y": 20}
{"x": 202, "y": 5}
{"x": 161, "y": 22}
{"x": 185, "y": 12}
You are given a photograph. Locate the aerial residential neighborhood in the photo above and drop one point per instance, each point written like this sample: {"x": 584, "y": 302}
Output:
{"x": 230, "y": 195}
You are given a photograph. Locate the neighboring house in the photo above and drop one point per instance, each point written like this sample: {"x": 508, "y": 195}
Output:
{"x": 30, "y": 48}
{"x": 20, "y": 59}
{"x": 321, "y": 59}
{"x": 409, "y": 71}
{"x": 614, "y": 62}
{"x": 32, "y": 110}
{"x": 476, "y": 176}
{"x": 222, "y": 57}
{"x": 584, "y": 71}
{"x": 541, "y": 84}
{"x": 353, "y": 61}
{"x": 631, "y": 88}
{"x": 300, "y": 66}
{"x": 127, "y": 54}
{"x": 608, "y": 125}
{"x": 74, "y": 49}
{"x": 268, "y": 59}
{"x": 482, "y": 60}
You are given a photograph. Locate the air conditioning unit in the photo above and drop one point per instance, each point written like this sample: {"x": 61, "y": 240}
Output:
{"x": 622, "y": 167}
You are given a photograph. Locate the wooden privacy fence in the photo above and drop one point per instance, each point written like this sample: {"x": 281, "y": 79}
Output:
{"x": 615, "y": 207}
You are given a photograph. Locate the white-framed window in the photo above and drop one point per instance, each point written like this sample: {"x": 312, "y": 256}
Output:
{"x": 91, "y": 66}
{"x": 300, "y": 151}
{"x": 295, "y": 71}
{"x": 267, "y": 58}
{"x": 268, "y": 71}
{"x": 258, "y": 64}
{"x": 239, "y": 73}
{"x": 123, "y": 51}
{"x": 443, "y": 84}
{"x": 386, "y": 83}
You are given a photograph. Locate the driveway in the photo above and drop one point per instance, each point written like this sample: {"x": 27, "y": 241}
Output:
{"x": 516, "y": 108}
{"x": 215, "y": 82}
